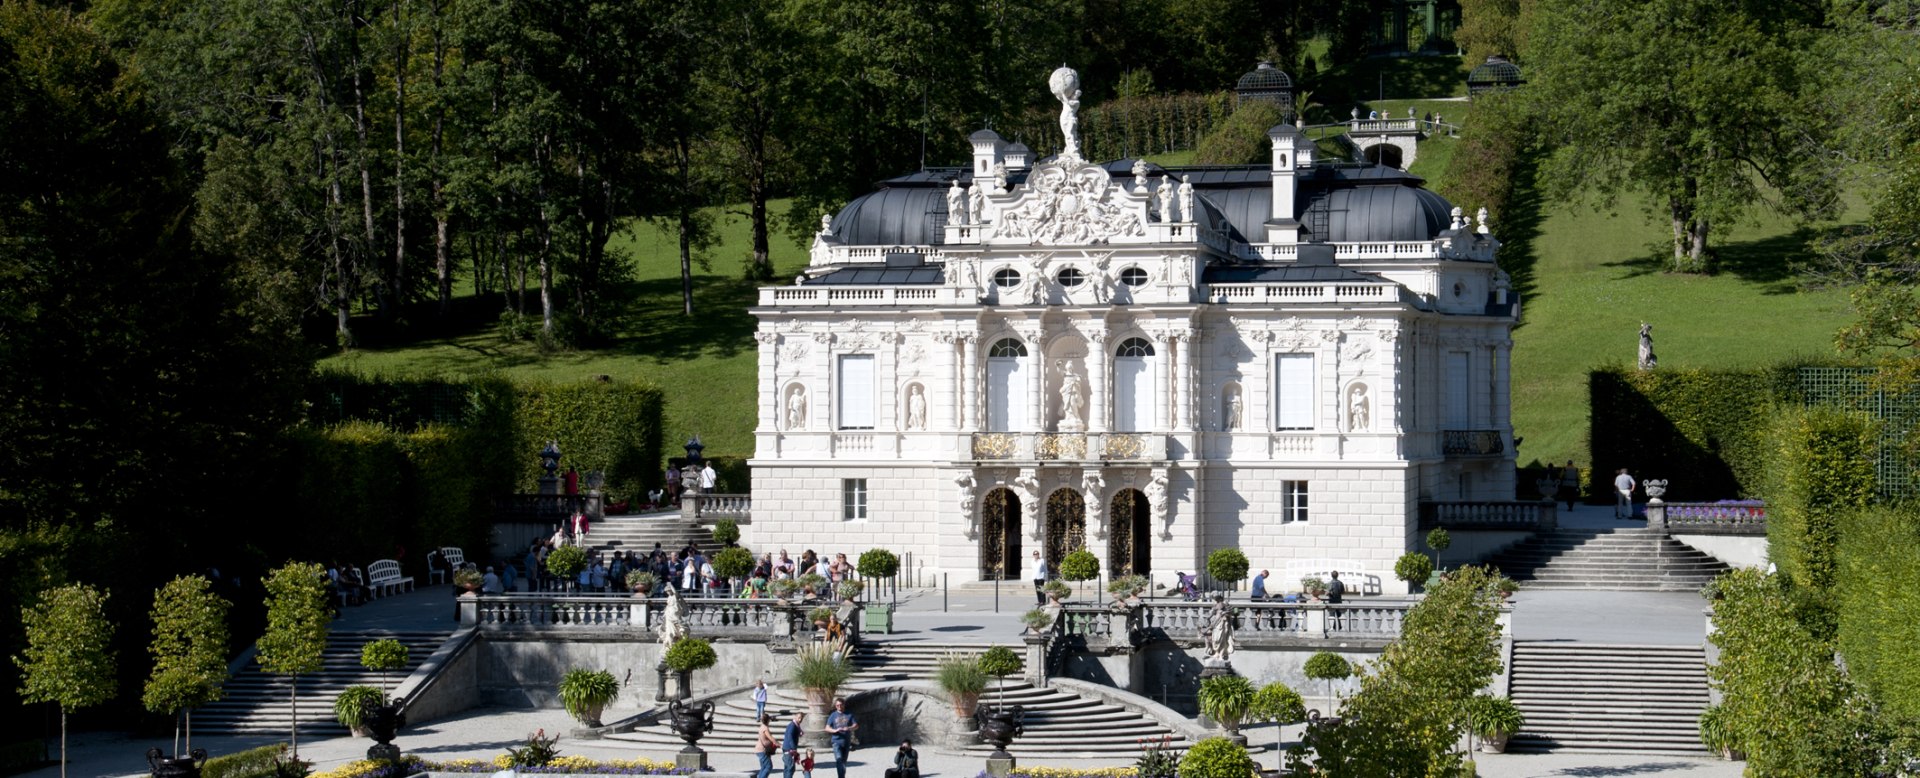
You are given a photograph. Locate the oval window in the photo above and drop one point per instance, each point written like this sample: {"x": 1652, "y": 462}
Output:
{"x": 1133, "y": 276}
{"x": 1071, "y": 277}
{"x": 1006, "y": 278}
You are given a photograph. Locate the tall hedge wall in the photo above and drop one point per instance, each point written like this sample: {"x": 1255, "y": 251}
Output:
{"x": 1879, "y": 606}
{"x": 1820, "y": 465}
{"x": 1702, "y": 430}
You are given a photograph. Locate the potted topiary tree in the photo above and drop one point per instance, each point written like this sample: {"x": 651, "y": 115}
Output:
{"x": 726, "y": 532}
{"x": 1506, "y": 587}
{"x": 1081, "y": 565}
{"x": 586, "y": 693}
{"x": 1216, "y": 757}
{"x": 1414, "y": 568}
{"x": 1279, "y": 704}
{"x": 733, "y": 563}
{"x": 690, "y": 720}
{"x": 296, "y": 637}
{"x": 1439, "y": 540}
{"x": 1038, "y": 620}
{"x": 1329, "y": 667}
{"x": 1494, "y": 719}
{"x": 68, "y": 660}
{"x": 565, "y": 563}
{"x": 468, "y": 580}
{"x": 1000, "y": 724}
{"x": 1226, "y": 699}
{"x": 384, "y": 720}
{"x": 1227, "y": 565}
{"x": 875, "y": 565}
{"x": 962, "y": 679}
{"x": 1000, "y": 662}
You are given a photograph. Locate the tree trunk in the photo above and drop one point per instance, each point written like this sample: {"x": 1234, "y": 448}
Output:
{"x": 683, "y": 157}
{"x": 360, "y": 159}
{"x": 400, "y": 157}
{"x": 63, "y": 743}
{"x": 762, "y": 268}
{"x": 293, "y": 703}
{"x": 443, "y": 271}
{"x": 189, "y": 714}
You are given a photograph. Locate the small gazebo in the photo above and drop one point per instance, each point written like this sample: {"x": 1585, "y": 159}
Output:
{"x": 1268, "y": 84}
{"x": 1497, "y": 74}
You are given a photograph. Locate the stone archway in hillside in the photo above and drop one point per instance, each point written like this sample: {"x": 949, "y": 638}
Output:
{"x": 1000, "y": 536}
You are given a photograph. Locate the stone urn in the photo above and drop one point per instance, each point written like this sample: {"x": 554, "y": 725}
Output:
{"x": 176, "y": 767}
{"x": 383, "y": 724}
{"x": 999, "y": 725}
{"x": 690, "y": 721}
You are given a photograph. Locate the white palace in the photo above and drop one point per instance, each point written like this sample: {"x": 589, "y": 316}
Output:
{"x": 1149, "y": 363}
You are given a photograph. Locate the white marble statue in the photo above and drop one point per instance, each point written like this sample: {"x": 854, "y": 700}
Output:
{"x": 1073, "y": 407}
{"x": 826, "y": 225}
{"x": 1092, "y": 488}
{"x": 1647, "y": 360}
{"x": 1157, "y": 503}
{"x": 1233, "y": 409}
{"x": 1218, "y": 636}
{"x": 1358, "y": 406}
{"x": 1166, "y": 200}
{"x": 956, "y": 205}
{"x": 1459, "y": 219}
{"x": 916, "y": 408}
{"x": 1065, "y": 84}
{"x": 966, "y": 483}
{"x": 1186, "y": 201}
{"x": 673, "y": 620}
{"x": 976, "y": 203}
{"x": 999, "y": 178}
{"x": 797, "y": 409}
{"x": 1481, "y": 217}
{"x": 1140, "y": 176}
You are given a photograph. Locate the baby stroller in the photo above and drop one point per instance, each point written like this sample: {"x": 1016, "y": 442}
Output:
{"x": 1185, "y": 588}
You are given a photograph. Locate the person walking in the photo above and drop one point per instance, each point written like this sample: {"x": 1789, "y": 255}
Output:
{"x": 760, "y": 699}
{"x": 1039, "y": 579}
{"x": 840, "y": 727}
{"x": 1335, "y": 589}
{"x": 790, "y": 743}
{"x": 1570, "y": 483}
{"x": 1623, "y": 485}
{"x": 764, "y": 746}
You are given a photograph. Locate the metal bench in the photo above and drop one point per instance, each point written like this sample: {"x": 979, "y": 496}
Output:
{"x": 384, "y": 578}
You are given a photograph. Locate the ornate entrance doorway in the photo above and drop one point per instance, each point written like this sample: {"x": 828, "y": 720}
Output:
{"x": 1129, "y": 536}
{"x": 1066, "y": 525}
{"x": 1000, "y": 536}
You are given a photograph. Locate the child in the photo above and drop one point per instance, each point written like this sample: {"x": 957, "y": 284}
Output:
{"x": 806, "y": 763}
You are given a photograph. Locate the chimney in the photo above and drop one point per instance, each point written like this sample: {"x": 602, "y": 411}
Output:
{"x": 1292, "y": 152}
{"x": 987, "y": 150}
{"x": 1016, "y": 156}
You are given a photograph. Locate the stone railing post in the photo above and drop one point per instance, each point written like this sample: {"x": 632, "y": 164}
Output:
{"x": 1549, "y": 516}
{"x": 1120, "y": 626}
{"x": 690, "y": 505}
{"x": 1316, "y": 619}
{"x": 469, "y": 609}
{"x": 1657, "y": 515}
{"x": 637, "y": 613}
{"x": 1037, "y": 660}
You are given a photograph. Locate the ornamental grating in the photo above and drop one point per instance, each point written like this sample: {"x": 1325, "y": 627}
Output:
{"x": 1850, "y": 388}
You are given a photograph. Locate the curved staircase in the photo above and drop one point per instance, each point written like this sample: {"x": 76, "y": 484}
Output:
{"x": 256, "y": 701}
{"x": 1628, "y": 559}
{"x": 1058, "y": 722}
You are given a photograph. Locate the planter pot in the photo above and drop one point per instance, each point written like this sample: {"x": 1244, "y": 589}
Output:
{"x": 690, "y": 721}
{"x": 1494, "y": 743}
{"x": 188, "y": 766}
{"x": 360, "y": 730}
{"x": 878, "y": 618}
{"x": 590, "y": 716}
{"x": 999, "y": 726}
{"x": 965, "y": 705}
{"x": 384, "y": 723}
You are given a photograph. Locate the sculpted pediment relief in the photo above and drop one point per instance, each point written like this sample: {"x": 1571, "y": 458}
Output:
{"x": 1070, "y": 205}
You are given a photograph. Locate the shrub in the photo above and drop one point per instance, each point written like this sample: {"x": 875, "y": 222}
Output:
{"x": 1038, "y": 619}
{"x": 1158, "y": 759}
{"x": 538, "y": 751}
{"x": 1216, "y": 757}
{"x": 584, "y": 691}
{"x": 819, "y": 668}
{"x": 961, "y": 674}
{"x": 689, "y": 654}
{"x": 1716, "y": 731}
{"x": 1877, "y": 602}
{"x": 1277, "y": 702}
{"x": 355, "y": 702}
{"x": 1823, "y": 466}
{"x": 251, "y": 763}
{"x": 1226, "y": 699}
{"x": 1413, "y": 567}
{"x": 1242, "y": 138}
{"x": 733, "y": 562}
{"x": 1081, "y": 565}
{"x": 383, "y": 655}
{"x": 878, "y": 563}
{"x": 1709, "y": 425}
{"x": 1128, "y": 585}
{"x": 1227, "y": 565}
{"x": 1000, "y": 662}
{"x": 189, "y": 647}
{"x": 1327, "y": 665}
{"x": 567, "y": 561}
{"x": 726, "y": 532}
{"x": 820, "y": 614}
{"x": 1490, "y": 716}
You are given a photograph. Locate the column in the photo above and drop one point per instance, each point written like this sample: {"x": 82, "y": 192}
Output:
{"x": 1036, "y": 381}
{"x": 1183, "y": 381}
{"x": 970, "y": 382}
{"x": 1098, "y": 390}
{"x": 1163, "y": 410}
{"x": 944, "y": 416}
{"x": 771, "y": 403}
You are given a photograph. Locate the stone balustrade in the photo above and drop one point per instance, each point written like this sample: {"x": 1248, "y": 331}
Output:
{"x": 1520, "y": 515}
{"x": 734, "y": 618}
{"x": 709, "y": 508}
{"x": 1185, "y": 621}
{"x": 1745, "y": 517}
{"x": 1069, "y": 446}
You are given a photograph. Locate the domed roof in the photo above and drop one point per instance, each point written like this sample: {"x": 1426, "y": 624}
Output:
{"x": 984, "y": 135}
{"x": 895, "y": 216}
{"x": 1018, "y": 148}
{"x": 1361, "y": 203}
{"x": 1264, "y": 78}
{"x": 1497, "y": 71}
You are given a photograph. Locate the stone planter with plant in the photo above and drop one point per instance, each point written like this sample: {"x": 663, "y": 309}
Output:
{"x": 876, "y": 565}
{"x": 355, "y": 705}
{"x": 468, "y": 580}
{"x": 587, "y": 693}
{"x": 998, "y": 662}
{"x": 784, "y": 589}
{"x": 819, "y": 671}
{"x": 1494, "y": 719}
{"x": 812, "y": 585}
{"x": 1057, "y": 591}
{"x": 1226, "y": 699}
{"x": 1038, "y": 620}
{"x": 850, "y": 591}
{"x": 1505, "y": 587}
{"x": 962, "y": 679}
{"x": 641, "y": 583}
{"x": 691, "y": 721}
{"x": 565, "y": 563}
{"x": 1126, "y": 590}
{"x": 1439, "y": 540}
{"x": 685, "y": 656}
{"x": 1314, "y": 586}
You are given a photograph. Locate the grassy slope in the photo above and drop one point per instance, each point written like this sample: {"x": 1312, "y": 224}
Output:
{"x": 706, "y": 363}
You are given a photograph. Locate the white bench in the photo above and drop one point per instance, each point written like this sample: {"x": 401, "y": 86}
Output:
{"x": 455, "y": 556}
{"x": 455, "y": 560}
{"x": 1352, "y": 573}
{"x": 384, "y": 578}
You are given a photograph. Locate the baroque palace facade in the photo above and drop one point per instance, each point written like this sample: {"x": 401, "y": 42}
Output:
{"x": 1148, "y": 363}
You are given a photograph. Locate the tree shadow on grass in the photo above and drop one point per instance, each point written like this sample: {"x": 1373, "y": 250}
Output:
{"x": 1520, "y": 230}
{"x": 654, "y": 327}
{"x": 1766, "y": 262}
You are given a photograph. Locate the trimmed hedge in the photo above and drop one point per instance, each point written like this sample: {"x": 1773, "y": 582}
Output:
{"x": 1242, "y": 138}
{"x": 1704, "y": 430}
{"x": 1821, "y": 466}
{"x": 252, "y": 763}
{"x": 1879, "y": 606}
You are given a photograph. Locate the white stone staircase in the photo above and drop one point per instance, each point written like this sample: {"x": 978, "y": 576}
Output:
{"x": 1059, "y": 723}
{"x": 257, "y": 701}
{"x": 1626, "y": 559}
{"x": 639, "y": 533}
{"x": 1594, "y": 698}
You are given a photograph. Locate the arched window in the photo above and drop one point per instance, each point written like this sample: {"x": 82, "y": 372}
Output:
{"x": 1007, "y": 376}
{"x": 1006, "y": 278}
{"x": 1133, "y": 386}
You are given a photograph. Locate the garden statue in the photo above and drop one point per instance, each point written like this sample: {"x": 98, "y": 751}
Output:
{"x": 1233, "y": 409}
{"x": 1139, "y": 176}
{"x": 1481, "y": 217}
{"x": 1219, "y": 632}
{"x": 976, "y": 203}
{"x": 1647, "y": 360}
{"x": 966, "y": 483}
{"x": 1157, "y": 502}
{"x": 1656, "y": 488}
{"x": 916, "y": 408}
{"x": 1072, "y": 405}
{"x": 826, "y": 225}
{"x": 1186, "y": 200}
{"x": 956, "y": 205}
{"x": 999, "y": 178}
{"x": 550, "y": 457}
{"x": 1357, "y": 407}
{"x": 1065, "y": 84}
{"x": 673, "y": 620}
{"x": 797, "y": 409}
{"x": 1166, "y": 199}
{"x": 1459, "y": 219}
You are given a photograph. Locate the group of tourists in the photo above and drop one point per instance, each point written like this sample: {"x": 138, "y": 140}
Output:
{"x": 1336, "y": 590}
{"x": 841, "y": 726}
{"x": 768, "y": 569}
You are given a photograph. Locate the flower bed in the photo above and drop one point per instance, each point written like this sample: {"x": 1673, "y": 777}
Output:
{"x": 1724, "y": 510}
{"x": 1068, "y": 772}
{"x": 564, "y": 765}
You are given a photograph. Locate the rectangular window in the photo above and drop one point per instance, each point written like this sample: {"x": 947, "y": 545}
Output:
{"x": 1293, "y": 502}
{"x": 1459, "y": 388}
{"x": 853, "y": 499}
{"x": 1293, "y": 398}
{"x": 856, "y": 392}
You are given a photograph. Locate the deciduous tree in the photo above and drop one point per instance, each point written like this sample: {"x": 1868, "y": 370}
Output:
{"x": 296, "y": 635}
{"x": 189, "y": 651}
{"x": 68, "y": 660}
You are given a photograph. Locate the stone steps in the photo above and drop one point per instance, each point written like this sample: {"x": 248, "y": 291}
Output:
{"x": 639, "y": 533}
{"x": 1609, "y": 699}
{"x": 1058, "y": 723}
{"x": 257, "y": 701}
{"x": 1629, "y": 559}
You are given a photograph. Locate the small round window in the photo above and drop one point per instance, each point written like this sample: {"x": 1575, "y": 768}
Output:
{"x": 1006, "y": 278}
{"x": 1071, "y": 277}
{"x": 1133, "y": 276}
{"x": 1459, "y": 289}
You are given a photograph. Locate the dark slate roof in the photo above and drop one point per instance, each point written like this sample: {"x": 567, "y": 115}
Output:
{"x": 1284, "y": 272}
{"x": 894, "y": 216}
{"x": 869, "y": 274}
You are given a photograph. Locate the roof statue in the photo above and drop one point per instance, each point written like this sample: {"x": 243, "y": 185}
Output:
{"x": 1066, "y": 86}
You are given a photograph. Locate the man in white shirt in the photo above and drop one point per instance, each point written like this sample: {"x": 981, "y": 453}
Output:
{"x": 707, "y": 478}
{"x": 1623, "y": 486}
{"x": 1039, "y": 579}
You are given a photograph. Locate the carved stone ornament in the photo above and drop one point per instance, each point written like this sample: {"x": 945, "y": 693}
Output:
{"x": 1357, "y": 351}
{"x": 1157, "y": 505}
{"x": 823, "y": 338}
{"x": 912, "y": 356}
{"x": 857, "y": 342}
{"x": 1070, "y": 206}
{"x": 794, "y": 351}
{"x": 1387, "y": 336}
{"x": 766, "y": 338}
{"x": 1293, "y": 324}
{"x": 967, "y": 484}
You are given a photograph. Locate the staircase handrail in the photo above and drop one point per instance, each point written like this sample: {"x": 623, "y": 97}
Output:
{"x": 1518, "y": 515}
{"x": 427, "y": 674}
